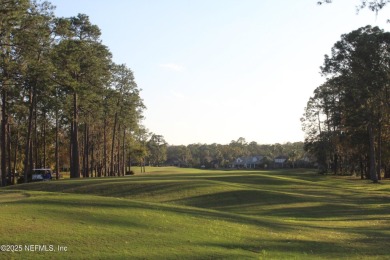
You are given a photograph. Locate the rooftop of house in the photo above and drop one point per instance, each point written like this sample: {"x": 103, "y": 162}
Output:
{"x": 249, "y": 159}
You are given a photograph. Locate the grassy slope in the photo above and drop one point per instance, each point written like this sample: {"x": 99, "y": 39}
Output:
{"x": 187, "y": 213}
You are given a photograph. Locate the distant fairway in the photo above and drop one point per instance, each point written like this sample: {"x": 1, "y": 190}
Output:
{"x": 174, "y": 213}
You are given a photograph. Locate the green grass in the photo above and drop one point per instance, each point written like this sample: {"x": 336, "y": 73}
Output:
{"x": 173, "y": 213}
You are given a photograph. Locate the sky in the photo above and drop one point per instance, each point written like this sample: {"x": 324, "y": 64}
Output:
{"x": 212, "y": 71}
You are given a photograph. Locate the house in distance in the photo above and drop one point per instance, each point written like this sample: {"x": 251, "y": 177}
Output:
{"x": 250, "y": 162}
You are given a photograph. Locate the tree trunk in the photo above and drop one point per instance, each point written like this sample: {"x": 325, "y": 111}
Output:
{"x": 124, "y": 153}
{"x": 361, "y": 168}
{"x": 367, "y": 167}
{"x": 44, "y": 164}
{"x": 57, "y": 159}
{"x": 373, "y": 174}
{"x": 75, "y": 143}
{"x": 31, "y": 157}
{"x": 93, "y": 161}
{"x": 84, "y": 144}
{"x": 379, "y": 166}
{"x": 105, "y": 147}
{"x": 118, "y": 153}
{"x": 4, "y": 121}
{"x": 335, "y": 163}
{"x": 113, "y": 145}
{"x": 86, "y": 151}
{"x": 15, "y": 157}
{"x": 71, "y": 148}
{"x": 28, "y": 137}
{"x": 9, "y": 167}
{"x": 35, "y": 142}
{"x": 129, "y": 162}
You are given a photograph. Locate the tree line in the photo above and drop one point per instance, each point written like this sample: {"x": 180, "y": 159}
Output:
{"x": 64, "y": 102}
{"x": 347, "y": 120}
{"x": 222, "y": 155}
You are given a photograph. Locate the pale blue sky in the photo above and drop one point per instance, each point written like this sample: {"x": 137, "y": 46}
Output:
{"x": 212, "y": 71}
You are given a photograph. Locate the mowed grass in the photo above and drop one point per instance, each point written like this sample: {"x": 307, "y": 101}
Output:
{"x": 173, "y": 213}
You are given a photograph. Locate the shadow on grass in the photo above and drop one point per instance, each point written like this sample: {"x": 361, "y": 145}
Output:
{"x": 71, "y": 207}
{"x": 245, "y": 177}
{"x": 255, "y": 194}
{"x": 330, "y": 210}
{"x": 10, "y": 195}
{"x": 305, "y": 249}
{"x": 289, "y": 204}
{"x": 188, "y": 190}
{"x": 240, "y": 197}
{"x": 79, "y": 211}
{"x": 286, "y": 177}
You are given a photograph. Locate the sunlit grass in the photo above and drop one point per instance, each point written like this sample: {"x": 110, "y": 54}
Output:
{"x": 190, "y": 213}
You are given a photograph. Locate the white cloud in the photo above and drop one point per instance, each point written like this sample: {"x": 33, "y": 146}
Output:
{"x": 172, "y": 66}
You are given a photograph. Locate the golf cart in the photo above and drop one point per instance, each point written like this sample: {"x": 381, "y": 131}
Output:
{"x": 43, "y": 174}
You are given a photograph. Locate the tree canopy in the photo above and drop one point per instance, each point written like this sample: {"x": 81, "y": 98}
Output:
{"x": 347, "y": 119}
{"x": 223, "y": 155}
{"x": 374, "y": 6}
{"x": 65, "y": 103}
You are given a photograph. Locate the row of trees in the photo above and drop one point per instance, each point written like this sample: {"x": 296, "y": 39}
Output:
{"x": 218, "y": 155}
{"x": 347, "y": 120}
{"x": 63, "y": 100}
{"x": 153, "y": 150}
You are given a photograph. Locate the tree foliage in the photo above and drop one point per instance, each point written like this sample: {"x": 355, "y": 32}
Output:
{"x": 65, "y": 103}
{"x": 374, "y": 6}
{"x": 222, "y": 156}
{"x": 347, "y": 120}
